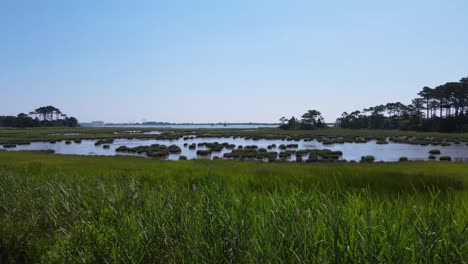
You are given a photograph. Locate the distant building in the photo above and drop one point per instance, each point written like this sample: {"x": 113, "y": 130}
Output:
{"x": 97, "y": 123}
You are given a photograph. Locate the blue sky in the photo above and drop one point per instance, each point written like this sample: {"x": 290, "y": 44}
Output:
{"x": 214, "y": 61}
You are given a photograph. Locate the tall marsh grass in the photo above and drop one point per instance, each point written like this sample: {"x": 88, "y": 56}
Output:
{"x": 58, "y": 209}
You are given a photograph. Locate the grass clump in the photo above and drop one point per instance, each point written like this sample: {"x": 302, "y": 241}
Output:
{"x": 104, "y": 141}
{"x": 402, "y": 159}
{"x": 155, "y": 150}
{"x": 434, "y": 152}
{"x": 174, "y": 149}
{"x": 382, "y": 141}
{"x": 203, "y": 152}
{"x": 368, "y": 158}
{"x": 445, "y": 158}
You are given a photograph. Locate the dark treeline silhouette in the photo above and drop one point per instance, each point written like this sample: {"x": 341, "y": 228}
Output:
{"x": 443, "y": 108}
{"x": 42, "y": 116}
{"x": 310, "y": 120}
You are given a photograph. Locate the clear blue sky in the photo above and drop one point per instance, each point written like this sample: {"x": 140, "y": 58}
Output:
{"x": 210, "y": 61}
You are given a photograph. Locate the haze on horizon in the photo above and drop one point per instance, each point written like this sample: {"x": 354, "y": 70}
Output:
{"x": 216, "y": 61}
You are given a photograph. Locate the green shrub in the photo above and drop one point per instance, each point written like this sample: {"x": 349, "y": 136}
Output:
{"x": 368, "y": 158}
{"x": 434, "y": 151}
{"x": 174, "y": 149}
{"x": 203, "y": 152}
{"x": 382, "y": 141}
{"x": 445, "y": 158}
{"x": 104, "y": 141}
{"x": 122, "y": 149}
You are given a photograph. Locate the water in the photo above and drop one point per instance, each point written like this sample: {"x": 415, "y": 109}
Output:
{"x": 351, "y": 151}
{"x": 197, "y": 126}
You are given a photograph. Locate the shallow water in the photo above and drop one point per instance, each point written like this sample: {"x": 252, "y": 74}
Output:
{"x": 64, "y": 134}
{"x": 195, "y": 126}
{"x": 351, "y": 151}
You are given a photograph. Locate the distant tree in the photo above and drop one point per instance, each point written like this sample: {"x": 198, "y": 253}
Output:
{"x": 426, "y": 95}
{"x": 283, "y": 120}
{"x": 293, "y": 123}
{"x": 42, "y": 116}
{"x": 312, "y": 119}
{"x": 71, "y": 122}
{"x": 446, "y": 108}
{"x": 48, "y": 112}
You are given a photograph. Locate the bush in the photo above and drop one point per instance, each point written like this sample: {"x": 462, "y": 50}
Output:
{"x": 313, "y": 158}
{"x": 182, "y": 157}
{"x": 368, "y": 158}
{"x": 285, "y": 154}
{"x": 445, "y": 158}
{"x": 155, "y": 150}
{"x": 203, "y": 152}
{"x": 434, "y": 151}
{"x": 9, "y": 145}
{"x": 432, "y": 157}
{"x": 382, "y": 142}
{"x": 403, "y": 159}
{"x": 174, "y": 149}
{"x": 122, "y": 149}
{"x": 162, "y": 154}
{"x": 104, "y": 141}
{"x": 49, "y": 151}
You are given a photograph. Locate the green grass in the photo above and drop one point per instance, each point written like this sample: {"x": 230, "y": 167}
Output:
{"x": 81, "y": 209}
{"x": 330, "y": 135}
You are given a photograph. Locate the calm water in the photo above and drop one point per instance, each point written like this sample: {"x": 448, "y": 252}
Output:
{"x": 351, "y": 151}
{"x": 193, "y": 126}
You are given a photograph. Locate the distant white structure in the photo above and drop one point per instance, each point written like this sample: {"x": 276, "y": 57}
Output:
{"x": 97, "y": 123}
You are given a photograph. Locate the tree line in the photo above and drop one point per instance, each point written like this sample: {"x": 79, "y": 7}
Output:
{"x": 309, "y": 120}
{"x": 41, "y": 117}
{"x": 443, "y": 109}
